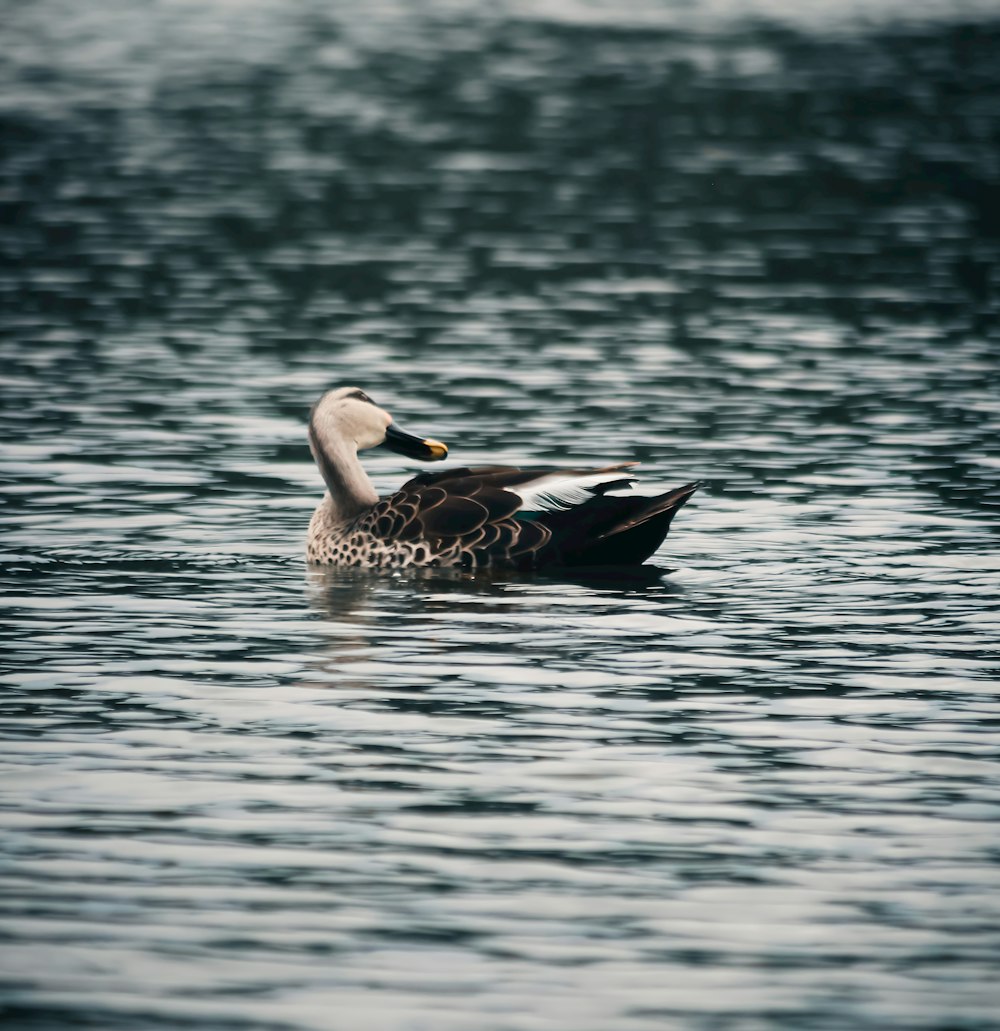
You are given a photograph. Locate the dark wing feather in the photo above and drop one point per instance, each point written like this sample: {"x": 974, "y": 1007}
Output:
{"x": 531, "y": 539}
{"x": 491, "y": 534}
{"x": 507, "y": 477}
{"x": 610, "y": 531}
{"x": 664, "y": 504}
{"x": 506, "y": 537}
{"x": 428, "y": 498}
{"x": 464, "y": 486}
{"x": 468, "y": 507}
{"x": 500, "y": 475}
{"x": 501, "y": 504}
{"x": 453, "y": 518}
{"x": 460, "y": 472}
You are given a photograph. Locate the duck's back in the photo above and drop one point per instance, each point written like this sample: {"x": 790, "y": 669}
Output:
{"x": 502, "y": 517}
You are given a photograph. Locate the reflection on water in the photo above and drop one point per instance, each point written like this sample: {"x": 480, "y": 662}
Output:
{"x": 756, "y": 248}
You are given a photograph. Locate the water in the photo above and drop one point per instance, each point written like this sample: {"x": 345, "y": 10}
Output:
{"x": 746, "y": 246}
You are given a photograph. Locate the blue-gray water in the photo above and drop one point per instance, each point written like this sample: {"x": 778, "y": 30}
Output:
{"x": 739, "y": 244}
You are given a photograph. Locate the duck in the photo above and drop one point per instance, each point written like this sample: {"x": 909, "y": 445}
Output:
{"x": 471, "y": 517}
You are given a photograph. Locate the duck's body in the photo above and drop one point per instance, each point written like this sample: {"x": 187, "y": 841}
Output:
{"x": 471, "y": 518}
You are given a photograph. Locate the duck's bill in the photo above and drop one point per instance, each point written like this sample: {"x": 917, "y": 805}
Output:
{"x": 424, "y": 448}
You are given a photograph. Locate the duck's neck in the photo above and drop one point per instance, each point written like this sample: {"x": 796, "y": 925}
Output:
{"x": 351, "y": 492}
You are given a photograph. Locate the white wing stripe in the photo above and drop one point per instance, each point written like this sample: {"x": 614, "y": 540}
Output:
{"x": 556, "y": 493}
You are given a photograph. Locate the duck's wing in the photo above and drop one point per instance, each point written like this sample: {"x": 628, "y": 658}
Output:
{"x": 615, "y": 529}
{"x": 525, "y": 518}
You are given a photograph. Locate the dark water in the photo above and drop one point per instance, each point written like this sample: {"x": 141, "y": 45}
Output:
{"x": 751, "y": 248}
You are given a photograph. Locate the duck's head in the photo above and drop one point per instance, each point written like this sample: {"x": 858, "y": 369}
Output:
{"x": 349, "y": 414}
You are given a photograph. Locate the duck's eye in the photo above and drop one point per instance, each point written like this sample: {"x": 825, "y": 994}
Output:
{"x": 361, "y": 396}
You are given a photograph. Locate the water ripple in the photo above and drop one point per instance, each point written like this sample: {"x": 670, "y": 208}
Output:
{"x": 752, "y": 247}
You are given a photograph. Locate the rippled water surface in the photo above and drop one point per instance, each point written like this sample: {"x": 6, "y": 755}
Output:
{"x": 748, "y": 246}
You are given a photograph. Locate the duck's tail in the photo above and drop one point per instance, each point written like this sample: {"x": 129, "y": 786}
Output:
{"x": 624, "y": 530}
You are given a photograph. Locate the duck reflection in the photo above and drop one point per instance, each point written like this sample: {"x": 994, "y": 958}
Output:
{"x": 346, "y": 593}
{"x": 416, "y": 625}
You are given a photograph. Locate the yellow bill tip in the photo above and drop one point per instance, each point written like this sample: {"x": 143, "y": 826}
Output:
{"x": 437, "y": 449}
